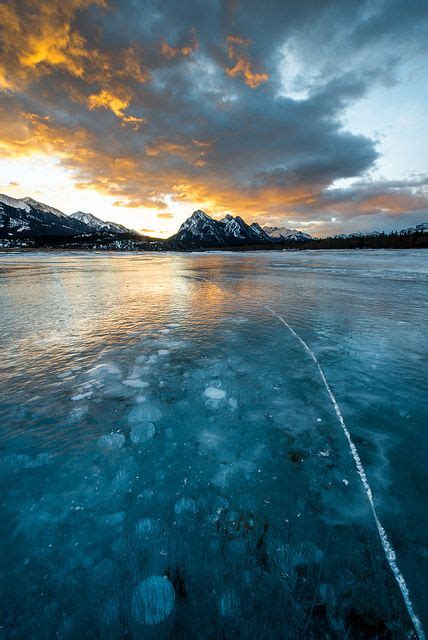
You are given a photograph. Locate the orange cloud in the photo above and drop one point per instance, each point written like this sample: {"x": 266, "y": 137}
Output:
{"x": 131, "y": 66}
{"x": 238, "y": 40}
{"x": 173, "y": 52}
{"x": 38, "y": 36}
{"x": 141, "y": 180}
{"x": 117, "y": 104}
{"x": 24, "y": 134}
{"x": 194, "y": 153}
{"x": 242, "y": 66}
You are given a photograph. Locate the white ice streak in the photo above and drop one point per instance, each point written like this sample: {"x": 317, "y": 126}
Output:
{"x": 387, "y": 547}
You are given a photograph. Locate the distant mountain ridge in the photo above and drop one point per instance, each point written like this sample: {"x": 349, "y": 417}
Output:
{"x": 25, "y": 222}
{"x": 98, "y": 224}
{"x": 287, "y": 234}
{"x": 28, "y": 217}
{"x": 419, "y": 228}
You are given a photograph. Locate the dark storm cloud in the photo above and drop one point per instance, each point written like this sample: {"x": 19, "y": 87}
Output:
{"x": 235, "y": 105}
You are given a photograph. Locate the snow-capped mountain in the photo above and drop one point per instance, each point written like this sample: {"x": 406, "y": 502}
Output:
{"x": 419, "y": 228}
{"x": 260, "y": 232}
{"x": 200, "y": 230}
{"x": 360, "y": 234}
{"x": 282, "y": 233}
{"x": 97, "y": 224}
{"x": 27, "y": 217}
{"x": 203, "y": 231}
{"x": 237, "y": 228}
{"x": 40, "y": 206}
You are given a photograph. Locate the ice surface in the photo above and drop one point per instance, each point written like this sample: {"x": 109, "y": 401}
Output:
{"x": 200, "y": 485}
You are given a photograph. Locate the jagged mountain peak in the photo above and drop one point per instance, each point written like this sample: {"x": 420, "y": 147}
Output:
{"x": 200, "y": 215}
{"x": 202, "y": 230}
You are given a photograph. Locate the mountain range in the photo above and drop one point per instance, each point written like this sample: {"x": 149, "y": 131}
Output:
{"x": 28, "y": 218}
{"x": 200, "y": 230}
{"x": 27, "y": 222}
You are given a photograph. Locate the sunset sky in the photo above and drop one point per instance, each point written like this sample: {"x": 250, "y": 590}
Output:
{"x": 301, "y": 113}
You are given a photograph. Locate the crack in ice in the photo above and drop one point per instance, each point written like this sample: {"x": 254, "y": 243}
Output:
{"x": 386, "y": 545}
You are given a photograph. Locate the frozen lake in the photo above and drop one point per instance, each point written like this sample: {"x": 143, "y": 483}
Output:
{"x": 173, "y": 466}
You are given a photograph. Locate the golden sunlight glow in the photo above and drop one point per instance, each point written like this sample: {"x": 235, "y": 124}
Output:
{"x": 44, "y": 178}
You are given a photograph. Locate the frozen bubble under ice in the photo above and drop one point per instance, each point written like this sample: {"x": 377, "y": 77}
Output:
{"x": 144, "y": 412}
{"x": 105, "y": 368}
{"x": 18, "y": 461}
{"x": 142, "y": 432}
{"x": 185, "y": 504}
{"x": 111, "y": 441}
{"x": 135, "y": 383}
{"x": 233, "y": 403}
{"x": 214, "y": 394}
{"x": 229, "y": 603}
{"x": 152, "y": 600}
{"x": 146, "y": 526}
{"x": 113, "y": 519}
